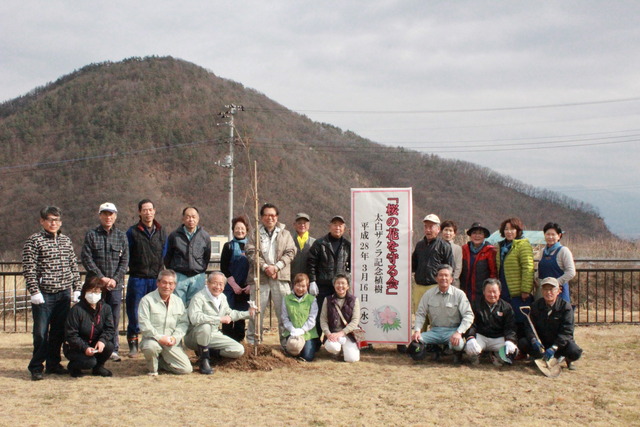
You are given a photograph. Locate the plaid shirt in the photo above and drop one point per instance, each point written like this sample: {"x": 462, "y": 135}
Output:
{"x": 106, "y": 254}
{"x": 49, "y": 263}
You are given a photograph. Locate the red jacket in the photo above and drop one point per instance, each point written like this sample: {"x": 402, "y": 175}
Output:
{"x": 472, "y": 276}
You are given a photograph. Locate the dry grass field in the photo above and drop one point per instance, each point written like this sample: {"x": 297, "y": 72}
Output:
{"x": 385, "y": 388}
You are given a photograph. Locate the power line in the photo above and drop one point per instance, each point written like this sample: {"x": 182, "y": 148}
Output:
{"x": 446, "y": 111}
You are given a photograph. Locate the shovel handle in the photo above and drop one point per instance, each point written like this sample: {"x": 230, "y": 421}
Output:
{"x": 526, "y": 310}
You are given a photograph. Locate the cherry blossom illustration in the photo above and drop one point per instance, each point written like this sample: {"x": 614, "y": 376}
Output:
{"x": 386, "y": 318}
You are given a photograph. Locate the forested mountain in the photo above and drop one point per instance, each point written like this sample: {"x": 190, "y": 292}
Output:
{"x": 148, "y": 127}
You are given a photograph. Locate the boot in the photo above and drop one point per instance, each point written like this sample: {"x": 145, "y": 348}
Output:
{"x": 205, "y": 367}
{"x": 133, "y": 347}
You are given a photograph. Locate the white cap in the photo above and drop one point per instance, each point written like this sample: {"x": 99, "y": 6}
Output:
{"x": 108, "y": 207}
{"x": 432, "y": 218}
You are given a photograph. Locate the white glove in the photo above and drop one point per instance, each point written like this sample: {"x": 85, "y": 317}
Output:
{"x": 313, "y": 289}
{"x": 76, "y": 296}
{"x": 37, "y": 299}
{"x": 297, "y": 332}
{"x": 473, "y": 348}
{"x": 510, "y": 347}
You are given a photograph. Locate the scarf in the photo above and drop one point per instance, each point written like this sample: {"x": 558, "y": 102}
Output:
{"x": 236, "y": 251}
{"x": 473, "y": 249}
{"x": 505, "y": 247}
{"x": 302, "y": 240}
{"x": 549, "y": 250}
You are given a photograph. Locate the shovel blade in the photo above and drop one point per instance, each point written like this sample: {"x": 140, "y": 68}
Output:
{"x": 549, "y": 369}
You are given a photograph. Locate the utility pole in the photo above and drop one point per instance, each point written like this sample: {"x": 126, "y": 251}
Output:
{"x": 228, "y": 161}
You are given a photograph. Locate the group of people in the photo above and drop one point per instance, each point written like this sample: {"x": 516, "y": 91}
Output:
{"x": 469, "y": 296}
{"x": 170, "y": 303}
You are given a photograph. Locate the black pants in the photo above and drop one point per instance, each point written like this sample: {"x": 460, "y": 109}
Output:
{"x": 571, "y": 351}
{"x": 234, "y": 330}
{"x": 48, "y": 329}
{"x": 79, "y": 360}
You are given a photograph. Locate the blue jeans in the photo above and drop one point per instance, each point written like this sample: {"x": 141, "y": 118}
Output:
{"x": 114, "y": 299}
{"x": 441, "y": 335}
{"x": 137, "y": 287}
{"x": 187, "y": 287}
{"x": 48, "y": 329}
{"x": 309, "y": 350}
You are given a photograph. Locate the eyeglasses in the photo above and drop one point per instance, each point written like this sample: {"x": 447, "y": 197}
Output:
{"x": 270, "y": 216}
{"x": 53, "y": 220}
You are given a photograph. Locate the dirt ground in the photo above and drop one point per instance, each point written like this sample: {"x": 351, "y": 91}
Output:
{"x": 384, "y": 388}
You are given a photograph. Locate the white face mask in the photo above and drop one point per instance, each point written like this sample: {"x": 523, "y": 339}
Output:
{"x": 92, "y": 298}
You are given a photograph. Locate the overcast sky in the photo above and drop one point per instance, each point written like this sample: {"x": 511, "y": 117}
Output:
{"x": 516, "y": 86}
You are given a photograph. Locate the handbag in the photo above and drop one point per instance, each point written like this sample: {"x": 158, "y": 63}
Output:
{"x": 359, "y": 334}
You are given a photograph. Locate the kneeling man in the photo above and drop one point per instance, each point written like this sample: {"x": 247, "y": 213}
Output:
{"x": 493, "y": 327}
{"x": 163, "y": 323}
{"x": 208, "y": 310}
{"x": 450, "y": 314}
{"x": 553, "y": 320}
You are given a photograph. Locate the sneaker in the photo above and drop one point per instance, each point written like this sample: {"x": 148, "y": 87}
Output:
{"x": 152, "y": 374}
{"x": 37, "y": 376}
{"x": 101, "y": 371}
{"x": 58, "y": 370}
{"x": 115, "y": 357}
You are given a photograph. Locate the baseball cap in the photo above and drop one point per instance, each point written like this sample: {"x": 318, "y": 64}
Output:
{"x": 302, "y": 215}
{"x": 338, "y": 218}
{"x": 550, "y": 281}
{"x": 432, "y": 218}
{"x": 108, "y": 207}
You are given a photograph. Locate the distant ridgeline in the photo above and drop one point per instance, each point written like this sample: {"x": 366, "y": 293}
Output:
{"x": 149, "y": 127}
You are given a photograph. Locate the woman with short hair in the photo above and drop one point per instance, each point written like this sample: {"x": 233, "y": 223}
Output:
{"x": 299, "y": 313}
{"x": 449, "y": 232}
{"x": 235, "y": 266}
{"x": 557, "y": 260}
{"x": 514, "y": 262}
{"x": 339, "y": 318}
{"x": 89, "y": 332}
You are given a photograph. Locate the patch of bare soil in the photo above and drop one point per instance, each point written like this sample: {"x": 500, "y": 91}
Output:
{"x": 268, "y": 358}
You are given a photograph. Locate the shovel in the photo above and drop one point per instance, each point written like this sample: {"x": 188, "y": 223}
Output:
{"x": 550, "y": 368}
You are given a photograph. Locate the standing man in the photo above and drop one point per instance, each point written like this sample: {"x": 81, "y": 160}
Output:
{"x": 275, "y": 255}
{"x": 450, "y": 313}
{"x": 429, "y": 254}
{"x": 163, "y": 324}
{"x": 302, "y": 242}
{"x": 329, "y": 256}
{"x": 50, "y": 270}
{"x": 188, "y": 254}
{"x": 146, "y": 244}
{"x": 105, "y": 254}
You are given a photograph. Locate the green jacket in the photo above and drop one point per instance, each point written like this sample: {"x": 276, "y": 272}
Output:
{"x": 518, "y": 266}
{"x": 156, "y": 319}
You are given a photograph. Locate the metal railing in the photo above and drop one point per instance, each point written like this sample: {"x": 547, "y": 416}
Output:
{"x": 15, "y": 300}
{"x": 599, "y": 295}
